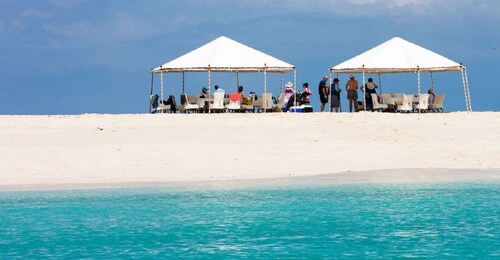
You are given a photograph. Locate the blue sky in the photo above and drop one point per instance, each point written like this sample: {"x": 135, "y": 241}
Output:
{"x": 90, "y": 56}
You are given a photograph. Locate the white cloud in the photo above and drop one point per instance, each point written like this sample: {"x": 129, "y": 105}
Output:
{"x": 357, "y": 8}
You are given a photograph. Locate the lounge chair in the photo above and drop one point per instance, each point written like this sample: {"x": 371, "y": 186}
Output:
{"x": 266, "y": 102}
{"x": 188, "y": 104}
{"x": 423, "y": 103}
{"x": 406, "y": 104}
{"x": 437, "y": 105}
{"x": 376, "y": 105}
{"x": 234, "y": 102}
{"x": 218, "y": 104}
{"x": 162, "y": 108}
{"x": 248, "y": 107}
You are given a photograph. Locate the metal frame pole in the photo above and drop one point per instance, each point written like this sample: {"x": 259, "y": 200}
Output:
{"x": 151, "y": 92}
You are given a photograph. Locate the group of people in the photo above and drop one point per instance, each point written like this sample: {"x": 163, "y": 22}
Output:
{"x": 333, "y": 92}
{"x": 204, "y": 91}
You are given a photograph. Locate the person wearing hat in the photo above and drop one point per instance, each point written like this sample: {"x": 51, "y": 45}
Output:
{"x": 323, "y": 92}
{"x": 369, "y": 90}
{"x": 204, "y": 92}
{"x": 335, "y": 103}
{"x": 287, "y": 102}
{"x": 352, "y": 92}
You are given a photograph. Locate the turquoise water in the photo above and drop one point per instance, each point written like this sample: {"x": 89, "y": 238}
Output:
{"x": 452, "y": 220}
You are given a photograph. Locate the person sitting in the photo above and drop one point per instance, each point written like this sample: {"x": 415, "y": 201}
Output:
{"x": 218, "y": 90}
{"x": 431, "y": 96}
{"x": 204, "y": 92}
{"x": 154, "y": 102}
{"x": 305, "y": 94}
{"x": 240, "y": 91}
{"x": 287, "y": 97}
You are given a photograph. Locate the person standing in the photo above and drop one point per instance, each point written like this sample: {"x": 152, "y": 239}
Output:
{"x": 335, "y": 102}
{"x": 369, "y": 89}
{"x": 323, "y": 92}
{"x": 352, "y": 92}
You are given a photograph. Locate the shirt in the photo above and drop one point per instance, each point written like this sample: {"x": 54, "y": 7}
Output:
{"x": 308, "y": 93}
{"x": 352, "y": 84}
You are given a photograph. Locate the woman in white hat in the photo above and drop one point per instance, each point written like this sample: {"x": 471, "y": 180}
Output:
{"x": 287, "y": 94}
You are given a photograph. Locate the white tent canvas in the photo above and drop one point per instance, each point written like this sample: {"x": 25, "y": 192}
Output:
{"x": 400, "y": 56}
{"x": 394, "y": 56}
{"x": 225, "y": 55}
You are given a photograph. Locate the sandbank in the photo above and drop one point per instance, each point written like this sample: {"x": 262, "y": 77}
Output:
{"x": 101, "y": 149}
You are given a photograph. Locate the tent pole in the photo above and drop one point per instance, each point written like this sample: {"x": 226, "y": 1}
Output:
{"x": 281, "y": 86}
{"x": 340, "y": 102}
{"x": 432, "y": 81}
{"x": 265, "y": 85}
{"x": 209, "y": 79}
{"x": 265, "y": 81}
{"x": 183, "y": 89}
{"x": 295, "y": 87}
{"x": 380, "y": 83}
{"x": 465, "y": 89}
{"x": 364, "y": 90}
{"x": 468, "y": 89}
{"x": 418, "y": 86}
{"x": 330, "y": 94}
{"x": 237, "y": 79}
{"x": 161, "y": 85}
{"x": 151, "y": 92}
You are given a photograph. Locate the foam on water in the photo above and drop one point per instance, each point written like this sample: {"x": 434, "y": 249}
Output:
{"x": 440, "y": 220}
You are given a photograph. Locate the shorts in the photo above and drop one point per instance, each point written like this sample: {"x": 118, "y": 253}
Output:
{"x": 352, "y": 94}
{"x": 335, "y": 101}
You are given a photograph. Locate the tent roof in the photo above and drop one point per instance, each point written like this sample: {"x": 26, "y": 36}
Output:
{"x": 225, "y": 55}
{"x": 396, "y": 56}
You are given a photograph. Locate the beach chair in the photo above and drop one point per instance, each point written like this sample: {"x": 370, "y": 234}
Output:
{"x": 406, "y": 104}
{"x": 218, "y": 104}
{"x": 386, "y": 98}
{"x": 266, "y": 102}
{"x": 162, "y": 108}
{"x": 376, "y": 105}
{"x": 437, "y": 105}
{"x": 247, "y": 105}
{"x": 423, "y": 103}
{"x": 234, "y": 102}
{"x": 188, "y": 104}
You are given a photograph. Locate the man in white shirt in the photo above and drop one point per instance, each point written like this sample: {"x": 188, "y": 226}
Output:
{"x": 218, "y": 90}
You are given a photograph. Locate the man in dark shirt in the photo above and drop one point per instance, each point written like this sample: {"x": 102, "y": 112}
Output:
{"x": 323, "y": 92}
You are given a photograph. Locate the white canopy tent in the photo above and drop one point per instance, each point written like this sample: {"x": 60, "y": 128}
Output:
{"x": 224, "y": 55}
{"x": 400, "y": 56}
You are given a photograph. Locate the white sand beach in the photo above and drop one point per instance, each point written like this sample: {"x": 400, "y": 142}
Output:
{"x": 97, "y": 149}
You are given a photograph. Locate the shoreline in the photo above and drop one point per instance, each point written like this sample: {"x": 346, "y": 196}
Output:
{"x": 163, "y": 148}
{"x": 383, "y": 177}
